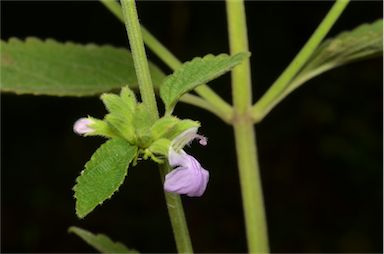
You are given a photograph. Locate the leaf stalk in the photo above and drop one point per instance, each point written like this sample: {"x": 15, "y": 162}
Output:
{"x": 265, "y": 104}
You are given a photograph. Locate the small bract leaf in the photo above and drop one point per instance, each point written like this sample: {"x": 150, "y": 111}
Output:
{"x": 103, "y": 175}
{"x": 100, "y": 242}
{"x": 194, "y": 73}
{"x": 101, "y": 128}
{"x": 49, "y": 67}
{"x": 142, "y": 122}
{"x": 170, "y": 126}
{"x": 160, "y": 147}
{"x": 128, "y": 97}
{"x": 122, "y": 109}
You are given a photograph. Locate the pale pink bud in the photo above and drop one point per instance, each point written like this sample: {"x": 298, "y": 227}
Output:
{"x": 81, "y": 126}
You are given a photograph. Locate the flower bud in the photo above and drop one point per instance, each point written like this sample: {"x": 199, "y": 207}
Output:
{"x": 81, "y": 126}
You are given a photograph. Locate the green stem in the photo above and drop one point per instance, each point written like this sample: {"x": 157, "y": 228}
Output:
{"x": 251, "y": 187}
{"x": 174, "y": 205}
{"x": 250, "y": 182}
{"x": 263, "y": 106}
{"x": 176, "y": 213}
{"x": 295, "y": 83}
{"x": 217, "y": 105}
{"x": 139, "y": 57}
{"x": 201, "y": 103}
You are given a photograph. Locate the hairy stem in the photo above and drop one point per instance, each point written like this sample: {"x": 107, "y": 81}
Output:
{"x": 217, "y": 105}
{"x": 174, "y": 205}
{"x": 139, "y": 57}
{"x": 250, "y": 182}
{"x": 266, "y": 102}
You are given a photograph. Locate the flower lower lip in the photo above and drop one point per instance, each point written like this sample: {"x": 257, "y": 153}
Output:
{"x": 188, "y": 177}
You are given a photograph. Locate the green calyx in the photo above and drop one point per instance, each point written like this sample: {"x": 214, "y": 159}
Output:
{"x": 129, "y": 120}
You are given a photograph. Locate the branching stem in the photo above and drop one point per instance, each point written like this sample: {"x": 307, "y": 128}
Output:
{"x": 250, "y": 182}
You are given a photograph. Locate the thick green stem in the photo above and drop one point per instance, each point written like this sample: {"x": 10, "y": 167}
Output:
{"x": 251, "y": 187}
{"x": 174, "y": 205}
{"x": 139, "y": 57}
{"x": 266, "y": 102}
{"x": 176, "y": 213}
{"x": 253, "y": 204}
{"x": 217, "y": 105}
{"x": 238, "y": 42}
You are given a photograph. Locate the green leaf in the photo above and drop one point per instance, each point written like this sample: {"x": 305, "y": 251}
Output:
{"x": 122, "y": 109}
{"x": 363, "y": 42}
{"x": 49, "y": 67}
{"x": 103, "y": 175}
{"x": 194, "y": 73}
{"x": 100, "y": 242}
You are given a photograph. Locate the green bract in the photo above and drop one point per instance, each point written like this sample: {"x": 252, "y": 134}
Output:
{"x": 129, "y": 120}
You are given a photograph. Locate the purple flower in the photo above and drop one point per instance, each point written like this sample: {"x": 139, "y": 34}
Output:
{"x": 188, "y": 177}
{"x": 81, "y": 126}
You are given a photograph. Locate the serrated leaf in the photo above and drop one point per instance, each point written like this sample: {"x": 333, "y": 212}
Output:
{"x": 100, "y": 242}
{"x": 194, "y": 73}
{"x": 103, "y": 175}
{"x": 49, "y": 67}
{"x": 363, "y": 42}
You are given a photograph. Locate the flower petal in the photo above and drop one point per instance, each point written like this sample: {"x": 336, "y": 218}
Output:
{"x": 188, "y": 178}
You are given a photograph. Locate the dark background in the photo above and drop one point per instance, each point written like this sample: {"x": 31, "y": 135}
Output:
{"x": 320, "y": 149}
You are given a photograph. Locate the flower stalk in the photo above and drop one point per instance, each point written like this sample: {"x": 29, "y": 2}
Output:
{"x": 177, "y": 216}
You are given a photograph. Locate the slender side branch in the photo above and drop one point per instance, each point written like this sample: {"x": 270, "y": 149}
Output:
{"x": 266, "y": 102}
{"x": 218, "y": 106}
{"x": 201, "y": 103}
{"x": 250, "y": 182}
{"x": 139, "y": 57}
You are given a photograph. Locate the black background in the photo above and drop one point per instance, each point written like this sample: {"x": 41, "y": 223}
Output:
{"x": 320, "y": 149}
